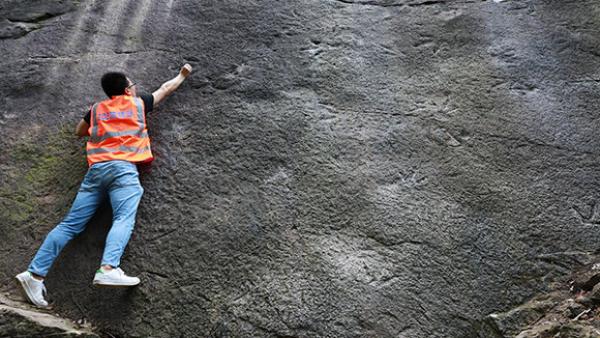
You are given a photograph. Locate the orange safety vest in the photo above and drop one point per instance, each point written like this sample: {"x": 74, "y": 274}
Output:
{"x": 118, "y": 131}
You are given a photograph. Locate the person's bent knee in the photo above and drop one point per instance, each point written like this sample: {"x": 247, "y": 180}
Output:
{"x": 139, "y": 191}
{"x": 61, "y": 231}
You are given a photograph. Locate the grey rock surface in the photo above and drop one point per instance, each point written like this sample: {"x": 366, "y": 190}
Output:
{"x": 566, "y": 311}
{"x": 332, "y": 168}
{"x": 20, "y": 320}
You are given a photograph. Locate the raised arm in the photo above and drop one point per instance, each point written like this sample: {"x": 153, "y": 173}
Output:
{"x": 170, "y": 86}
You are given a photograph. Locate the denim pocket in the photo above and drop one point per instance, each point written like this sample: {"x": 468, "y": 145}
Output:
{"x": 90, "y": 180}
{"x": 125, "y": 174}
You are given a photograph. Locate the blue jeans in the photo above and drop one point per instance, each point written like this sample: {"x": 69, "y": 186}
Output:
{"x": 118, "y": 179}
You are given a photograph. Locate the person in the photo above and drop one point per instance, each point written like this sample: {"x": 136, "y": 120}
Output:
{"x": 118, "y": 140}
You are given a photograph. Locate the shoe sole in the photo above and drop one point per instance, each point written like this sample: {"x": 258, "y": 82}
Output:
{"x": 114, "y": 286}
{"x": 25, "y": 292}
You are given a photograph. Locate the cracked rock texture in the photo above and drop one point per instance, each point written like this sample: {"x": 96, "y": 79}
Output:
{"x": 21, "y": 320}
{"x": 569, "y": 310}
{"x": 332, "y": 168}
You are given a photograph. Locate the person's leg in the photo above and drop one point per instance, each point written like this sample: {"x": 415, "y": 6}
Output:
{"x": 86, "y": 202}
{"x": 125, "y": 193}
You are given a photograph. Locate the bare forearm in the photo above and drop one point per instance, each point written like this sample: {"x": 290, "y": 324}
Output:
{"x": 172, "y": 85}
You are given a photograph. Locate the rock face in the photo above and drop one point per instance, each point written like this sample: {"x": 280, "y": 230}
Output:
{"x": 332, "y": 168}
{"x": 20, "y": 320}
{"x": 569, "y": 310}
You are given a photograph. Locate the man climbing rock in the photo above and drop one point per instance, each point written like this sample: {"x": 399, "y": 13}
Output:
{"x": 118, "y": 140}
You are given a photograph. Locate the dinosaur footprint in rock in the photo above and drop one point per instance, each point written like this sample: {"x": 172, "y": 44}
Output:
{"x": 228, "y": 79}
{"x": 588, "y": 214}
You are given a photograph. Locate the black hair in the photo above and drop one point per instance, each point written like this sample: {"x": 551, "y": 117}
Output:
{"x": 114, "y": 83}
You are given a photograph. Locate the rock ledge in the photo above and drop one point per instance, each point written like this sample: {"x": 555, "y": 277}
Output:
{"x": 18, "y": 319}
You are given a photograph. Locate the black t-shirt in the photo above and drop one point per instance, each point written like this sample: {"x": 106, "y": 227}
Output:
{"x": 148, "y": 106}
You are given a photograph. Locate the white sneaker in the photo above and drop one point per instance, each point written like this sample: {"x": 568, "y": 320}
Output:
{"x": 32, "y": 288}
{"x": 115, "y": 277}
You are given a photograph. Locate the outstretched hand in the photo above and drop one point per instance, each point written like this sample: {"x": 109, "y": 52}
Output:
{"x": 185, "y": 70}
{"x": 170, "y": 86}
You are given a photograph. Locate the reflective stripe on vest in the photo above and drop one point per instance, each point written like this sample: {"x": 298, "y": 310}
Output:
{"x": 95, "y": 138}
{"x": 118, "y": 131}
{"x": 120, "y": 148}
{"x": 109, "y": 134}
